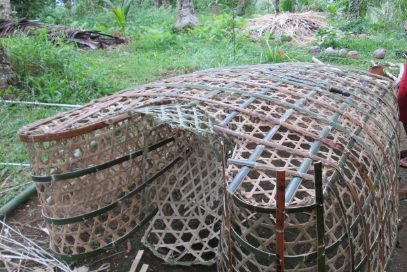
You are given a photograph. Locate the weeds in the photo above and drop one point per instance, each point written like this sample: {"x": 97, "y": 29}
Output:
{"x": 328, "y": 37}
{"x": 14, "y": 179}
{"x": 56, "y": 72}
{"x": 272, "y": 53}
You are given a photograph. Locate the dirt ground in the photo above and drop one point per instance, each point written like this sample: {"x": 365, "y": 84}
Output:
{"x": 399, "y": 262}
{"x": 27, "y": 218}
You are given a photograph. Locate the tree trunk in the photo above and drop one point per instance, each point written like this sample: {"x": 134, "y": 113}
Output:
{"x": 5, "y": 9}
{"x": 277, "y": 6}
{"x": 353, "y": 9}
{"x": 241, "y": 11}
{"x": 6, "y": 75}
{"x": 186, "y": 14}
{"x": 292, "y": 6}
{"x": 157, "y": 4}
{"x": 215, "y": 9}
{"x": 68, "y": 4}
{"x": 167, "y": 4}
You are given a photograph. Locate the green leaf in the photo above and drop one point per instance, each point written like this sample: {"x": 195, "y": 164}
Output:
{"x": 110, "y": 4}
{"x": 116, "y": 17}
{"x": 120, "y": 18}
{"x": 126, "y": 6}
{"x": 332, "y": 8}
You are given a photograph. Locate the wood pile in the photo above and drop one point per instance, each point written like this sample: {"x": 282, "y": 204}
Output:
{"x": 83, "y": 38}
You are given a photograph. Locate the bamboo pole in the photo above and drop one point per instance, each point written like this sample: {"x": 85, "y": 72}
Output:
{"x": 226, "y": 207}
{"x": 13, "y": 204}
{"x": 319, "y": 198}
{"x": 280, "y": 221}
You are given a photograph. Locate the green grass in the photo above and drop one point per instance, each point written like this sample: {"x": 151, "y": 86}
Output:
{"x": 14, "y": 179}
{"x": 65, "y": 74}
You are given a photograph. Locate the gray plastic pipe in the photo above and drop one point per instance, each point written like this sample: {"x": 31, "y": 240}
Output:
{"x": 13, "y": 204}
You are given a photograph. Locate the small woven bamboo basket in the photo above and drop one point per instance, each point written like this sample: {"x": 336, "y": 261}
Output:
{"x": 152, "y": 155}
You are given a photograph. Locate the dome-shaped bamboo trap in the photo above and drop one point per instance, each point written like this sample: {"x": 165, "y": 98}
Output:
{"x": 152, "y": 154}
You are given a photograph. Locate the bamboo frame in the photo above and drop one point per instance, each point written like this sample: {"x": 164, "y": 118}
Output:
{"x": 152, "y": 155}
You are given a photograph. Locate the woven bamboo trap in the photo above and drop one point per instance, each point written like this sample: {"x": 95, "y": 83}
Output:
{"x": 152, "y": 155}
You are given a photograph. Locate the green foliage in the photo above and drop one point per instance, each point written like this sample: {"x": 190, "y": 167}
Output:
{"x": 119, "y": 16}
{"x": 120, "y": 13}
{"x": 219, "y": 28}
{"x": 158, "y": 37}
{"x": 15, "y": 116}
{"x": 286, "y": 5}
{"x": 30, "y": 9}
{"x": 272, "y": 53}
{"x": 55, "y": 73}
{"x": 327, "y": 37}
{"x": 354, "y": 26}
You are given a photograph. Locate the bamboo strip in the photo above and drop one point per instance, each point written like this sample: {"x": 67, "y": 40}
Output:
{"x": 144, "y": 268}
{"x": 274, "y": 120}
{"x": 280, "y": 218}
{"x": 226, "y": 209}
{"x": 319, "y": 199}
{"x": 136, "y": 261}
{"x": 338, "y": 98}
{"x": 259, "y": 148}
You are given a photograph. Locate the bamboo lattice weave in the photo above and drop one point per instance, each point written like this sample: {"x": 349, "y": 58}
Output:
{"x": 151, "y": 155}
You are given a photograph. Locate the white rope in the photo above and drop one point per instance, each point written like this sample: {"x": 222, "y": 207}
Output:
{"x": 14, "y": 164}
{"x": 43, "y": 104}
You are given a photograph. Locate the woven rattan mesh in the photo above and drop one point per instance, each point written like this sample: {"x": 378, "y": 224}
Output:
{"x": 152, "y": 154}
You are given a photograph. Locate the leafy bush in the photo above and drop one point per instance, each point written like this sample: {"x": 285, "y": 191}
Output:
{"x": 158, "y": 37}
{"x": 286, "y": 5}
{"x": 57, "y": 73}
{"x": 354, "y": 26}
{"x": 219, "y": 28}
{"x": 272, "y": 53}
{"x": 327, "y": 37}
{"x": 30, "y": 9}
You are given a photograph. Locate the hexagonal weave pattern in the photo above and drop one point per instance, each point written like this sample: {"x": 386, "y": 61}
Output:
{"x": 151, "y": 154}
